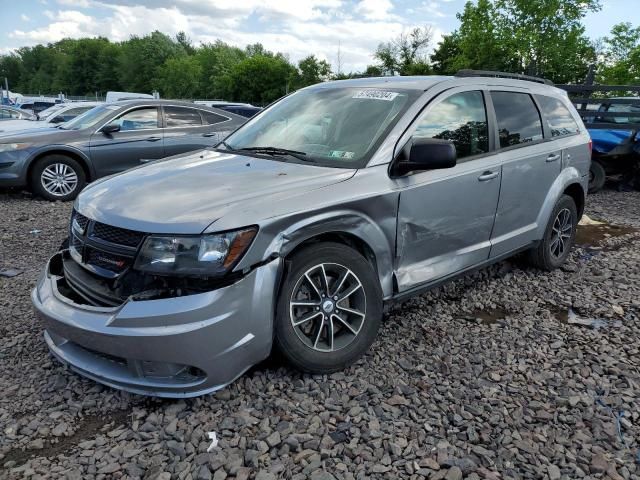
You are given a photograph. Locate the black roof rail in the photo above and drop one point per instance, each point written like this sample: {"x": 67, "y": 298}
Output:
{"x": 494, "y": 74}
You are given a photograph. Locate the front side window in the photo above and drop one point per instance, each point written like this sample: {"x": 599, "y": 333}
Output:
{"x": 558, "y": 116}
{"x": 181, "y": 117}
{"x": 139, "y": 119}
{"x": 331, "y": 126}
{"x": 460, "y": 118}
{"x": 518, "y": 118}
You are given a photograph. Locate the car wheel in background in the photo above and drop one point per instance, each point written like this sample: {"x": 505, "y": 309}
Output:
{"x": 597, "y": 176}
{"x": 329, "y": 308}
{"x": 57, "y": 177}
{"x": 554, "y": 248}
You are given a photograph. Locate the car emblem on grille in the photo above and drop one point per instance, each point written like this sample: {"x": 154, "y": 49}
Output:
{"x": 117, "y": 263}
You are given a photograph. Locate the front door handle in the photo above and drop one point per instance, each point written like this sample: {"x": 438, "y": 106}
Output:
{"x": 553, "y": 157}
{"x": 153, "y": 139}
{"x": 211, "y": 134}
{"x": 488, "y": 175}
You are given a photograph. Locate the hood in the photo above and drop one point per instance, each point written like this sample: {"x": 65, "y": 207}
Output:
{"x": 42, "y": 133}
{"x": 16, "y": 125}
{"x": 186, "y": 194}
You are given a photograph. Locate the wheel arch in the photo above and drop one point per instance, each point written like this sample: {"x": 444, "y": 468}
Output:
{"x": 80, "y": 158}
{"x": 575, "y": 191}
{"x": 350, "y": 228}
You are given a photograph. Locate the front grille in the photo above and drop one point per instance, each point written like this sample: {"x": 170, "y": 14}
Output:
{"x": 108, "y": 261}
{"x": 80, "y": 219}
{"x": 103, "y": 249}
{"x": 116, "y": 235}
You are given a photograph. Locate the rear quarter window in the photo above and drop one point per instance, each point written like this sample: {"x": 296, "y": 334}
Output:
{"x": 557, "y": 116}
{"x": 518, "y": 118}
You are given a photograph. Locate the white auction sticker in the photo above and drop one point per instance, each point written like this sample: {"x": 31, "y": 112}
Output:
{"x": 376, "y": 95}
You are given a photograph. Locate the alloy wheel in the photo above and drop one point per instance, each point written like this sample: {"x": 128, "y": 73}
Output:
{"x": 59, "y": 179}
{"x": 561, "y": 233}
{"x": 327, "y": 307}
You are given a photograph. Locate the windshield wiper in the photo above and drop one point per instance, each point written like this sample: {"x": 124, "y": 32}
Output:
{"x": 279, "y": 152}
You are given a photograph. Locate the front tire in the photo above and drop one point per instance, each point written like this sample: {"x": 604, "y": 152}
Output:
{"x": 597, "y": 176}
{"x": 554, "y": 248}
{"x": 329, "y": 308}
{"x": 57, "y": 177}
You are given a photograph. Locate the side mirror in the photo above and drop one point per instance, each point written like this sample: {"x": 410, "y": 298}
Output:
{"x": 110, "y": 128}
{"x": 426, "y": 154}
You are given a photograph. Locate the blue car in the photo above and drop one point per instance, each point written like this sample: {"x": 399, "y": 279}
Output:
{"x": 615, "y": 150}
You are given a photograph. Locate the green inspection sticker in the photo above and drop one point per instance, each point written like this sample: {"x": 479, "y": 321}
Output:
{"x": 341, "y": 154}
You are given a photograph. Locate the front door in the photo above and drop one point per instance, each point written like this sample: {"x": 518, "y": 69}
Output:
{"x": 139, "y": 140}
{"x": 445, "y": 217}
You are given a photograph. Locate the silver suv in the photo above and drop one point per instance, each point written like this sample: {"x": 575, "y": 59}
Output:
{"x": 297, "y": 230}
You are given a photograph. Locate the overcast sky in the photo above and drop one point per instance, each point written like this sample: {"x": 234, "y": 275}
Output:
{"x": 295, "y": 27}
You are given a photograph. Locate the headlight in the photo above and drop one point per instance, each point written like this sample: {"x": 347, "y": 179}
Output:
{"x": 7, "y": 147}
{"x": 202, "y": 255}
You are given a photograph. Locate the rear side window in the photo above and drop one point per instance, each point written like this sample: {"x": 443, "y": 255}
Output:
{"x": 182, "y": 117}
{"x": 211, "y": 118}
{"x": 461, "y": 118}
{"x": 557, "y": 116}
{"x": 518, "y": 118}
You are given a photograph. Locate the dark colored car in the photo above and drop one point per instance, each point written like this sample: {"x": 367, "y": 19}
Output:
{"x": 56, "y": 163}
{"x": 615, "y": 150}
{"x": 244, "y": 109}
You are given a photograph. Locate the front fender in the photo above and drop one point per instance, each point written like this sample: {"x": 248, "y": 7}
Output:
{"x": 567, "y": 177}
{"x": 282, "y": 241}
{"x": 54, "y": 149}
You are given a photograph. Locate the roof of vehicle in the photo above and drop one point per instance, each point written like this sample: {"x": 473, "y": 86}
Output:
{"x": 427, "y": 81}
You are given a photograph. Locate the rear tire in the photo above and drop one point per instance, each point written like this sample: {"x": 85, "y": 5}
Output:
{"x": 597, "y": 176}
{"x": 57, "y": 177}
{"x": 320, "y": 327}
{"x": 554, "y": 248}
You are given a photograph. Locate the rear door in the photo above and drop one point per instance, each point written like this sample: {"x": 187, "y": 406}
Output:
{"x": 445, "y": 217}
{"x": 138, "y": 141}
{"x": 530, "y": 165}
{"x": 185, "y": 130}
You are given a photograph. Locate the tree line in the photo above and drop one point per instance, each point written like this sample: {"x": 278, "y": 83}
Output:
{"x": 542, "y": 38}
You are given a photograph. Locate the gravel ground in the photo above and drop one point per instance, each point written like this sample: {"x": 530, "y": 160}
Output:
{"x": 507, "y": 373}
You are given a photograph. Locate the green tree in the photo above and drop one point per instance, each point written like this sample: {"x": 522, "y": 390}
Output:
{"x": 179, "y": 77}
{"x": 142, "y": 57}
{"x": 621, "y": 56}
{"x": 312, "y": 70}
{"x": 406, "y": 54}
{"x": 216, "y": 61}
{"x": 12, "y": 68}
{"x": 258, "y": 79}
{"x": 543, "y": 38}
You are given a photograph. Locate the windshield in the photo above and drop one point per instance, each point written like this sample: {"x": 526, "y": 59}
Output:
{"x": 339, "y": 127}
{"x": 48, "y": 112}
{"x": 90, "y": 118}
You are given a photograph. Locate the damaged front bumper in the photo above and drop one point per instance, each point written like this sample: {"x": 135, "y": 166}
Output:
{"x": 171, "y": 347}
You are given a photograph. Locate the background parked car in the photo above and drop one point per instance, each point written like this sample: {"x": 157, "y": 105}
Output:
{"x": 36, "y": 106}
{"x": 12, "y": 113}
{"x": 245, "y": 109}
{"x": 615, "y": 150}
{"x": 52, "y": 116}
{"x": 56, "y": 163}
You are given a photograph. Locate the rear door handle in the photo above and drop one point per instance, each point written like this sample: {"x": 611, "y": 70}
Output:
{"x": 553, "y": 157}
{"x": 153, "y": 139}
{"x": 211, "y": 134}
{"x": 488, "y": 175}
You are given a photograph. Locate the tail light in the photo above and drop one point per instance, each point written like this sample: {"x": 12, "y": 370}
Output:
{"x": 590, "y": 146}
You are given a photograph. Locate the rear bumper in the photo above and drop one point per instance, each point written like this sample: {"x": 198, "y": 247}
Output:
{"x": 176, "y": 347}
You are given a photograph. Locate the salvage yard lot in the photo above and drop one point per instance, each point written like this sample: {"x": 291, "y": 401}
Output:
{"x": 506, "y": 373}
